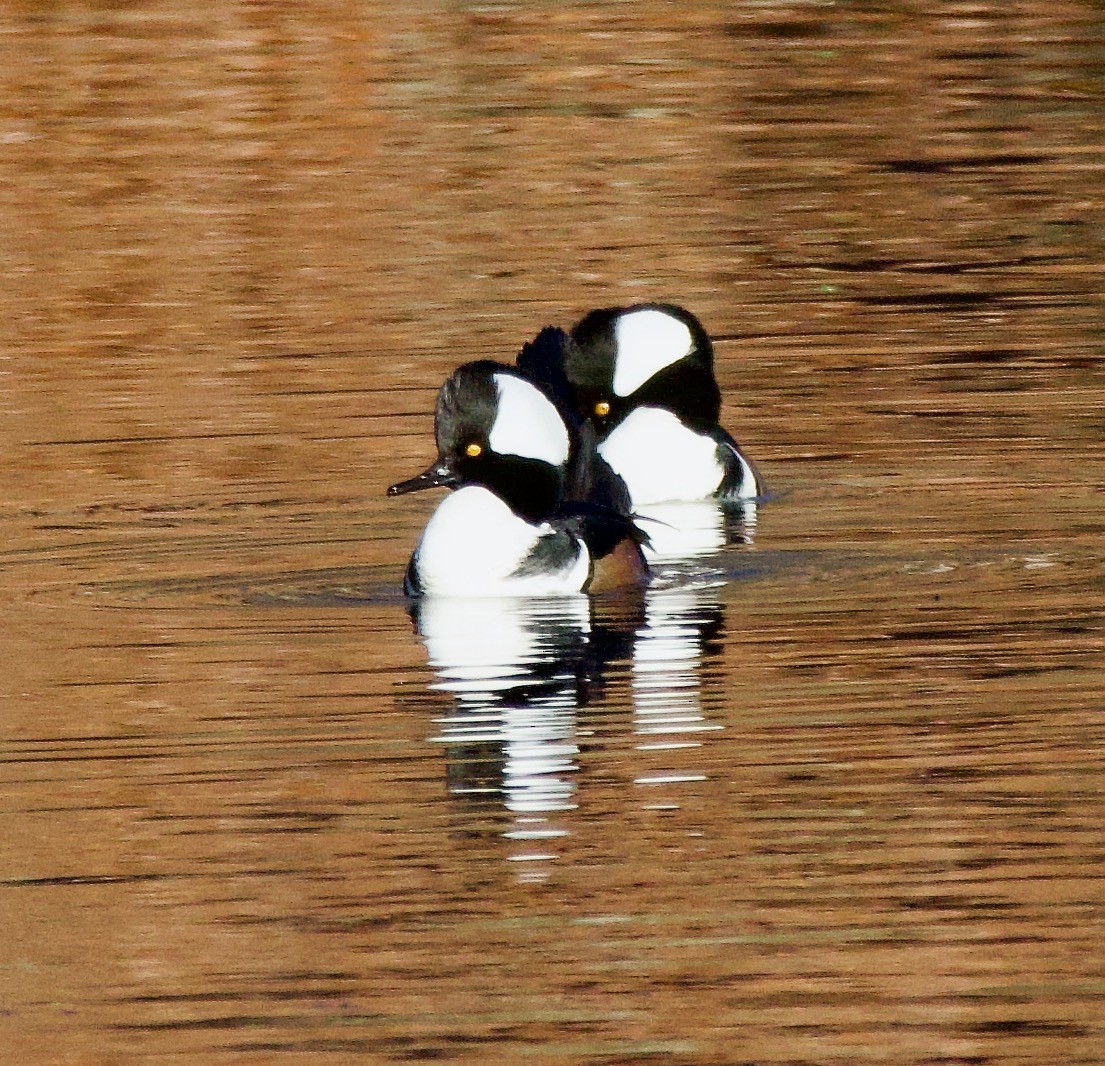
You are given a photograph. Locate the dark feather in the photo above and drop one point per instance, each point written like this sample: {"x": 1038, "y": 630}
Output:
{"x": 543, "y": 360}
{"x": 602, "y": 529}
{"x": 590, "y": 478}
{"x": 552, "y": 552}
{"x": 733, "y": 485}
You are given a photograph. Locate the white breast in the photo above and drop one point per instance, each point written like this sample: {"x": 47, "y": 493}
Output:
{"x": 474, "y": 542}
{"x": 660, "y": 459}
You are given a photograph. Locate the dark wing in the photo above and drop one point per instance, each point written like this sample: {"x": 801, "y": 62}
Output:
{"x": 602, "y": 529}
{"x": 411, "y": 585}
{"x": 552, "y": 553}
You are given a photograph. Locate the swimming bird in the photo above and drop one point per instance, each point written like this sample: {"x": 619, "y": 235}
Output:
{"x": 643, "y": 377}
{"x": 506, "y": 528}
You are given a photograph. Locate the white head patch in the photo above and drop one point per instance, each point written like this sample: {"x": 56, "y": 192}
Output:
{"x": 646, "y": 342}
{"x": 527, "y": 424}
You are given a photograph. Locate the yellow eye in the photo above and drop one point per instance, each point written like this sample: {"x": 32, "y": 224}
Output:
{"x": 473, "y": 449}
{"x": 602, "y": 408}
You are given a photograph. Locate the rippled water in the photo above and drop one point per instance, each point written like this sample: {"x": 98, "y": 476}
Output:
{"x": 830, "y": 791}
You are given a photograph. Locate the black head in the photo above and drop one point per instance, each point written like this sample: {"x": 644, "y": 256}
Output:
{"x": 652, "y": 353}
{"x": 497, "y": 429}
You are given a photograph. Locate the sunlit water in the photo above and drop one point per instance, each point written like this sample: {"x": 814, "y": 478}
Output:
{"x": 830, "y": 790}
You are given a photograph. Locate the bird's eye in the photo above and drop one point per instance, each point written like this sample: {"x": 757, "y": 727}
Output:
{"x": 602, "y": 408}
{"x": 473, "y": 449}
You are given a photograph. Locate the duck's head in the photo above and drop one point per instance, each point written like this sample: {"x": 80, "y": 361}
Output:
{"x": 496, "y": 429}
{"x": 650, "y": 354}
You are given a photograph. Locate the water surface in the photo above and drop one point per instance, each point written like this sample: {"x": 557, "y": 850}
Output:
{"x": 829, "y": 793}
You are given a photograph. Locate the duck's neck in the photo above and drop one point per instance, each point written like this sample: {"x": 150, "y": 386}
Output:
{"x": 530, "y": 487}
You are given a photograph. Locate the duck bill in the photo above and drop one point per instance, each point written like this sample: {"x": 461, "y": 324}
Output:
{"x": 440, "y": 474}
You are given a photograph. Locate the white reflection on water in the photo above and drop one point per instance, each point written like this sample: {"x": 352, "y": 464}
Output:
{"x": 521, "y": 671}
{"x": 515, "y": 669}
{"x": 691, "y": 529}
{"x": 681, "y": 629}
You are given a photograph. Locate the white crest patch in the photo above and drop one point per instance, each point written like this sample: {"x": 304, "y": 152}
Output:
{"x": 646, "y": 341}
{"x": 527, "y": 424}
{"x": 474, "y": 542}
{"x": 660, "y": 459}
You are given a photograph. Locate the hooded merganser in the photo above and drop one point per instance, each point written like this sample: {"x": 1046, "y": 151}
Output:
{"x": 507, "y": 529}
{"x": 643, "y": 376}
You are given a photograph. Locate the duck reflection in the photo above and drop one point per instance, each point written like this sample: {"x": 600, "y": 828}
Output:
{"x": 518, "y": 670}
{"x": 691, "y": 529}
{"x": 681, "y": 633}
{"x": 521, "y": 675}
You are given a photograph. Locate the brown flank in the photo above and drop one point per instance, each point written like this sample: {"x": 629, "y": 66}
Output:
{"x": 623, "y": 567}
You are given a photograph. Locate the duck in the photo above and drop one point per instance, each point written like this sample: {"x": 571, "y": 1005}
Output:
{"x": 506, "y": 527}
{"x": 642, "y": 376}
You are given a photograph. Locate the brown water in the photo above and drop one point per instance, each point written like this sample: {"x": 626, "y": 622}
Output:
{"x": 843, "y": 803}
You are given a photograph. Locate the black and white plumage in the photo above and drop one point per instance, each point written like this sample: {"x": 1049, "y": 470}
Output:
{"x": 506, "y": 529}
{"x": 643, "y": 377}
{"x": 589, "y": 477}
